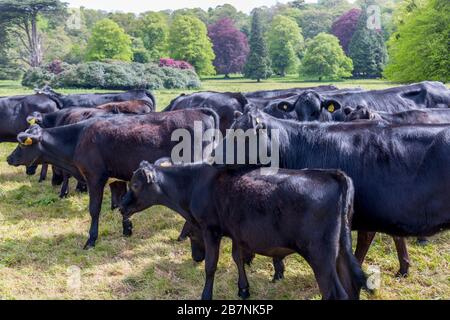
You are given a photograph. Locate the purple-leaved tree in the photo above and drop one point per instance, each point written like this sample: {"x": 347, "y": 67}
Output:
{"x": 230, "y": 46}
{"x": 345, "y": 26}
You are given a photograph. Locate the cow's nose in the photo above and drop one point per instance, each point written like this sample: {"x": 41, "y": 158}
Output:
{"x": 9, "y": 160}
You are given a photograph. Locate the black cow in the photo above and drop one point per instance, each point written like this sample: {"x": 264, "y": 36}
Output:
{"x": 103, "y": 150}
{"x": 90, "y": 100}
{"x": 13, "y": 113}
{"x": 401, "y": 172}
{"x": 273, "y": 94}
{"x": 305, "y": 212}
{"x": 312, "y": 106}
{"x": 225, "y": 104}
{"x": 431, "y": 116}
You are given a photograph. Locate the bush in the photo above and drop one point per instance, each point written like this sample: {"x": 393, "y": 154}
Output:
{"x": 111, "y": 75}
{"x": 167, "y": 62}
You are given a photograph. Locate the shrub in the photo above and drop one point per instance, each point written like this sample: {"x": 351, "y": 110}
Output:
{"x": 178, "y": 64}
{"x": 113, "y": 75}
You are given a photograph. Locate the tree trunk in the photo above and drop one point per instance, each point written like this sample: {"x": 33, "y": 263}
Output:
{"x": 35, "y": 44}
{"x": 227, "y": 76}
{"x": 258, "y": 80}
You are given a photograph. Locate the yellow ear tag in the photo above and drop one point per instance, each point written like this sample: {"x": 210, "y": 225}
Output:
{"x": 32, "y": 121}
{"x": 165, "y": 164}
{"x": 28, "y": 142}
{"x": 331, "y": 108}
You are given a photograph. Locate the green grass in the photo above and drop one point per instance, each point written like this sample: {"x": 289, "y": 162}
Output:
{"x": 41, "y": 238}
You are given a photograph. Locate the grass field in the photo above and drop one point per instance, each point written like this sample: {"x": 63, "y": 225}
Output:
{"x": 41, "y": 238}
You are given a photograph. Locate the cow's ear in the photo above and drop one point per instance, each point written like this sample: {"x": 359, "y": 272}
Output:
{"x": 331, "y": 106}
{"x": 164, "y": 162}
{"x": 285, "y": 106}
{"x": 237, "y": 114}
{"x": 26, "y": 139}
{"x": 348, "y": 110}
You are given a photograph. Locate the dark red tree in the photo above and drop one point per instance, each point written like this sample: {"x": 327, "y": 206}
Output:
{"x": 230, "y": 46}
{"x": 345, "y": 26}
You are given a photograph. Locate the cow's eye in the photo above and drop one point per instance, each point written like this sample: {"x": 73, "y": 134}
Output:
{"x": 135, "y": 186}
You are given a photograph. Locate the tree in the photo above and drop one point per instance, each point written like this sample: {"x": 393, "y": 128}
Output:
{"x": 324, "y": 58}
{"x": 314, "y": 21}
{"x": 188, "y": 40}
{"x": 367, "y": 48}
{"x": 127, "y": 21}
{"x": 109, "y": 41}
{"x": 345, "y": 26}
{"x": 258, "y": 64}
{"x": 154, "y": 32}
{"x": 420, "y": 50}
{"x": 230, "y": 47}
{"x": 21, "y": 18}
{"x": 285, "y": 42}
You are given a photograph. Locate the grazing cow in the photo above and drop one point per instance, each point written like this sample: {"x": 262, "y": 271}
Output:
{"x": 327, "y": 106}
{"x": 401, "y": 172}
{"x": 103, "y": 150}
{"x": 224, "y": 104}
{"x": 91, "y": 100}
{"x": 274, "y": 94}
{"x": 431, "y": 116}
{"x": 305, "y": 212}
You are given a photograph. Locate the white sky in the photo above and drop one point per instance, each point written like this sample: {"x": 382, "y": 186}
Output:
{"x": 138, "y": 6}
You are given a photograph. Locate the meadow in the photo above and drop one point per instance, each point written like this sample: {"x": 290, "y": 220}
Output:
{"x": 41, "y": 239}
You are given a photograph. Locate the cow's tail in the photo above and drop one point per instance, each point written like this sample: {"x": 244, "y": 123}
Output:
{"x": 151, "y": 97}
{"x": 350, "y": 273}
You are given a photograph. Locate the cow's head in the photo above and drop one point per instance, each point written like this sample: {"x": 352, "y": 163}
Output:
{"x": 360, "y": 113}
{"x": 311, "y": 106}
{"x": 144, "y": 189}
{"x": 35, "y": 118}
{"x": 28, "y": 151}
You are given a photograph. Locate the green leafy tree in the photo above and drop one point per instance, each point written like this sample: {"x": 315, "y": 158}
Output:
{"x": 21, "y": 17}
{"x": 325, "y": 59}
{"x": 420, "y": 48}
{"x": 285, "y": 42}
{"x": 367, "y": 48}
{"x": 258, "y": 64}
{"x": 154, "y": 32}
{"x": 109, "y": 41}
{"x": 140, "y": 54}
{"x": 314, "y": 21}
{"x": 188, "y": 41}
{"x": 127, "y": 21}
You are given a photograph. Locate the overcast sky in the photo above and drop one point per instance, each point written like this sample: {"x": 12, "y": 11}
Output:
{"x": 138, "y": 6}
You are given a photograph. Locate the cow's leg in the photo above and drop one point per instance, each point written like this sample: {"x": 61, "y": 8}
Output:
{"x": 365, "y": 239}
{"x": 403, "y": 257}
{"x": 65, "y": 185}
{"x": 118, "y": 191}
{"x": 325, "y": 269}
{"x": 184, "y": 233}
{"x": 244, "y": 288}
{"x": 278, "y": 265}
{"x": 81, "y": 187}
{"x": 57, "y": 177}
{"x": 31, "y": 170}
{"x": 44, "y": 170}
{"x": 212, "y": 247}
{"x": 95, "y": 205}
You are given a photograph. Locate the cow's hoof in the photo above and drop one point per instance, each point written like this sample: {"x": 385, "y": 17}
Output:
{"x": 277, "y": 277}
{"x": 423, "y": 242}
{"x": 402, "y": 274}
{"x": 127, "y": 229}
{"x": 41, "y": 180}
{"x": 182, "y": 239}
{"x": 89, "y": 245}
{"x": 244, "y": 294}
{"x": 63, "y": 196}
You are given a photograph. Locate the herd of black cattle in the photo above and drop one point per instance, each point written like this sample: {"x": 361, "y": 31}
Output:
{"x": 370, "y": 161}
